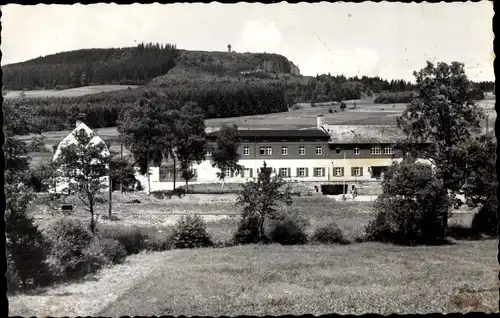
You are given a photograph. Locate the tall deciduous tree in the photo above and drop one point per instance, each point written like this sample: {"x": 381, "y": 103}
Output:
{"x": 260, "y": 198}
{"x": 443, "y": 114}
{"x": 190, "y": 139}
{"x": 481, "y": 183}
{"x": 82, "y": 167}
{"x": 141, "y": 129}
{"x": 225, "y": 154}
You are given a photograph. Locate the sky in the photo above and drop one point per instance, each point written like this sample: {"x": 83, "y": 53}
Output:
{"x": 390, "y": 40}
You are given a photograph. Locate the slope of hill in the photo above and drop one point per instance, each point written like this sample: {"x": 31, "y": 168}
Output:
{"x": 130, "y": 66}
{"x": 135, "y": 66}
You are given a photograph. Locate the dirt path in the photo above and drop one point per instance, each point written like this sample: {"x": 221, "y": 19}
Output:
{"x": 88, "y": 298}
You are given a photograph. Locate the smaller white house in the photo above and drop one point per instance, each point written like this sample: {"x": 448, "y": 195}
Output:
{"x": 61, "y": 183}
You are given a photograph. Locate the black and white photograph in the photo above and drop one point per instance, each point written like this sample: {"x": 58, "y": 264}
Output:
{"x": 209, "y": 159}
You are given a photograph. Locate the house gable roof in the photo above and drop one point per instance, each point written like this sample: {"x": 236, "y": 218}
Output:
{"x": 70, "y": 139}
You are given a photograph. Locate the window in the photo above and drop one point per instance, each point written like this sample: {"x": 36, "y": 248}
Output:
{"x": 302, "y": 151}
{"x": 284, "y": 150}
{"x": 208, "y": 153}
{"x": 356, "y": 150}
{"x": 338, "y": 150}
{"x": 319, "y": 150}
{"x": 338, "y": 171}
{"x": 318, "y": 172}
{"x": 263, "y": 151}
{"x": 246, "y": 151}
{"x": 246, "y": 172}
{"x": 388, "y": 150}
{"x": 284, "y": 172}
{"x": 228, "y": 173}
{"x": 302, "y": 172}
{"x": 356, "y": 171}
{"x": 376, "y": 150}
{"x": 269, "y": 151}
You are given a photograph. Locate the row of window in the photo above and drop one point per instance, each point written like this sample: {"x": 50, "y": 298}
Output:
{"x": 301, "y": 172}
{"x": 268, "y": 151}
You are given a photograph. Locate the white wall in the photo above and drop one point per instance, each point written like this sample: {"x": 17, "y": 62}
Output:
{"x": 207, "y": 174}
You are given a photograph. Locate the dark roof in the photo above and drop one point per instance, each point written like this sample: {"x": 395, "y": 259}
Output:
{"x": 273, "y": 133}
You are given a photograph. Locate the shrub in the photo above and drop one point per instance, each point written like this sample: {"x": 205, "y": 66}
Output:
{"x": 68, "y": 239}
{"x": 328, "y": 234}
{"x": 413, "y": 206}
{"x": 158, "y": 244}
{"x": 190, "y": 232}
{"x": 132, "y": 239}
{"x": 13, "y": 279}
{"x": 248, "y": 231}
{"x": 343, "y": 106}
{"x": 289, "y": 230}
{"x": 461, "y": 232}
{"x": 485, "y": 220}
{"x": 104, "y": 251}
{"x": 330, "y": 110}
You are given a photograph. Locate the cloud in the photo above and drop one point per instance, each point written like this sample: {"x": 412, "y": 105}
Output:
{"x": 257, "y": 36}
{"x": 349, "y": 62}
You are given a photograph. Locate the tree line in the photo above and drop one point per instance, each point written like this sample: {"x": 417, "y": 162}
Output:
{"x": 217, "y": 98}
{"x": 131, "y": 66}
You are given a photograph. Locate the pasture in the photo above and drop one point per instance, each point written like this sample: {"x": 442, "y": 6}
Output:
{"x": 71, "y": 92}
{"x": 271, "y": 279}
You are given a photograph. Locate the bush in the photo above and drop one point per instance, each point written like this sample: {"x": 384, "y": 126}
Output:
{"x": 68, "y": 239}
{"x": 485, "y": 220}
{"x": 190, "y": 232}
{"x": 330, "y": 110}
{"x": 343, "y": 106}
{"x": 27, "y": 251}
{"x": 132, "y": 239}
{"x": 248, "y": 231}
{"x": 413, "y": 207}
{"x": 460, "y": 232}
{"x": 290, "y": 230}
{"x": 13, "y": 279}
{"x": 104, "y": 251}
{"x": 158, "y": 244}
{"x": 328, "y": 234}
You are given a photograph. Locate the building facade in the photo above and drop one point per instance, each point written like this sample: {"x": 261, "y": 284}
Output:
{"x": 305, "y": 156}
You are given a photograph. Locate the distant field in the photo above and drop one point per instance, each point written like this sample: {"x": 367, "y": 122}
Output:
{"x": 72, "y": 92}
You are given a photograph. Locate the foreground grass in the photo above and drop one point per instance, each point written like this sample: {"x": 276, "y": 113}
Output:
{"x": 277, "y": 280}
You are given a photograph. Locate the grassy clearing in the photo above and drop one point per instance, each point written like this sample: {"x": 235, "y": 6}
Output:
{"x": 71, "y": 92}
{"x": 277, "y": 280}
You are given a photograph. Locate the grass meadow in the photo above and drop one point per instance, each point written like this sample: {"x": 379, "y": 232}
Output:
{"x": 267, "y": 279}
{"x": 71, "y": 92}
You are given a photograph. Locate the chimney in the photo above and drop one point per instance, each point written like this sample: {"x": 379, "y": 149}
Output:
{"x": 78, "y": 122}
{"x": 320, "y": 121}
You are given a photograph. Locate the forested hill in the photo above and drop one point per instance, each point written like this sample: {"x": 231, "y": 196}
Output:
{"x": 135, "y": 66}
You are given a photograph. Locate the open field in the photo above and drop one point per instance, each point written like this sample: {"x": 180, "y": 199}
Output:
{"x": 273, "y": 279}
{"x": 220, "y": 211}
{"x": 71, "y": 92}
{"x": 277, "y": 280}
